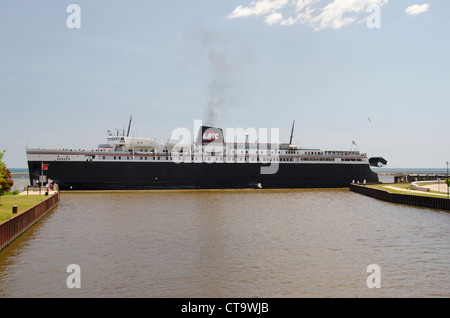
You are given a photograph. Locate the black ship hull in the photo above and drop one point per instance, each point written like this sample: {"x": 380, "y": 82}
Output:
{"x": 91, "y": 175}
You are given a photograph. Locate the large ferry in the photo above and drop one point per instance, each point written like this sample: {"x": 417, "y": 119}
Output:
{"x": 210, "y": 162}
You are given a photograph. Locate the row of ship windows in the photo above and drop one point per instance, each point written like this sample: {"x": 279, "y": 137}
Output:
{"x": 288, "y": 152}
{"x": 244, "y": 159}
{"x": 293, "y": 152}
{"x": 217, "y": 158}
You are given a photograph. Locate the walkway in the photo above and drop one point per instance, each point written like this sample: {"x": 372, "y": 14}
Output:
{"x": 442, "y": 188}
{"x": 35, "y": 191}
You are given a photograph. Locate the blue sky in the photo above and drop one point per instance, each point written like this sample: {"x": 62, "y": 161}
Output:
{"x": 260, "y": 63}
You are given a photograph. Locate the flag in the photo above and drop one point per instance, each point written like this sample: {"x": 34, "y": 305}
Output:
{"x": 44, "y": 166}
{"x": 353, "y": 142}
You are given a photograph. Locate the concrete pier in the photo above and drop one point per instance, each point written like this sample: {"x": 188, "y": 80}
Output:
{"x": 18, "y": 224}
{"x": 442, "y": 203}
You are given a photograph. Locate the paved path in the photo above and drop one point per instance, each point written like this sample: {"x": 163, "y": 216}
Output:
{"x": 443, "y": 189}
{"x": 35, "y": 191}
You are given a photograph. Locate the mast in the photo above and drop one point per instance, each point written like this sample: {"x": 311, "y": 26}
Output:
{"x": 292, "y": 132}
{"x": 129, "y": 125}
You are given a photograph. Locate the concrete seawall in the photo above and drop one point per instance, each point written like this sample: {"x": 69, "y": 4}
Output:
{"x": 17, "y": 225}
{"x": 409, "y": 199}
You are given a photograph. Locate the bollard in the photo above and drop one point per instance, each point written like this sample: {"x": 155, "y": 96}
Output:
{"x": 14, "y": 210}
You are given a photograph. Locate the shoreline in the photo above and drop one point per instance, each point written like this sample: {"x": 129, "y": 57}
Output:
{"x": 18, "y": 224}
{"x": 420, "y": 199}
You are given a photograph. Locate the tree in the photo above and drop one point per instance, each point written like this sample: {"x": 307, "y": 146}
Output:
{"x": 6, "y": 181}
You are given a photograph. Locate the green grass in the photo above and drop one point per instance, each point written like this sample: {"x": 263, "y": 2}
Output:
{"x": 403, "y": 189}
{"x": 23, "y": 202}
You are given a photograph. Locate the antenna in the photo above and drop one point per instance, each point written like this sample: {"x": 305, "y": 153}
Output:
{"x": 292, "y": 132}
{"x": 129, "y": 125}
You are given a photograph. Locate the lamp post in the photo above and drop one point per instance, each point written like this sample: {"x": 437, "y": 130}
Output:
{"x": 446, "y": 181}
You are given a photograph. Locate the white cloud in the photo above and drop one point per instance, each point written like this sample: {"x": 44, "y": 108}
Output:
{"x": 318, "y": 14}
{"x": 273, "y": 18}
{"x": 417, "y": 9}
{"x": 258, "y": 7}
{"x": 302, "y": 4}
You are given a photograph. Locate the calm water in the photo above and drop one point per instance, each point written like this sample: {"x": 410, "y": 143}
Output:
{"x": 250, "y": 243}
